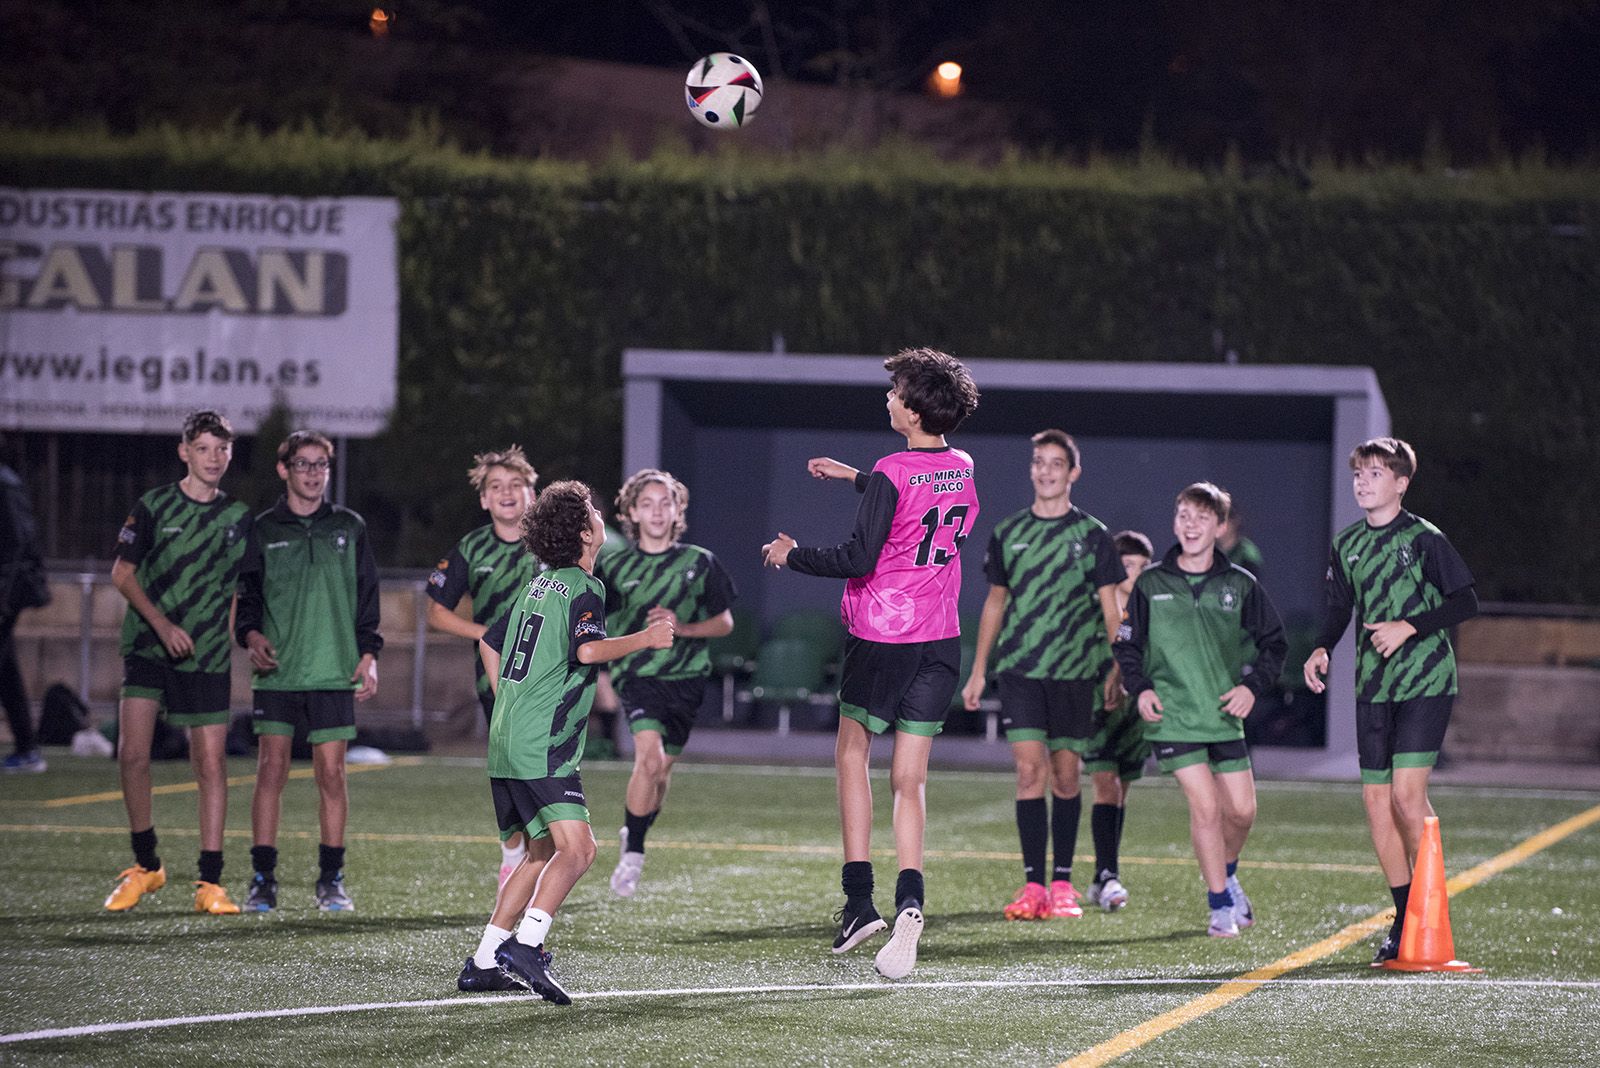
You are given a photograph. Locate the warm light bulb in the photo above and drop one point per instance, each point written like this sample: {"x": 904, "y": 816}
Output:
{"x": 379, "y": 22}
{"x": 946, "y": 80}
{"x": 950, "y": 72}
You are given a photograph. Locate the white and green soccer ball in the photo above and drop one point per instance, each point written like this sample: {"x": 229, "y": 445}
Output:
{"x": 722, "y": 90}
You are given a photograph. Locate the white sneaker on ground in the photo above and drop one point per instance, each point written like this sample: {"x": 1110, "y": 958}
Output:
{"x": 1243, "y": 914}
{"x": 899, "y": 955}
{"x": 625, "y": 879}
{"x": 1223, "y": 924}
{"x": 1112, "y": 896}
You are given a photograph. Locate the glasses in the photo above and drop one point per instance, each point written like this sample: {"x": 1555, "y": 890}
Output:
{"x": 302, "y": 466}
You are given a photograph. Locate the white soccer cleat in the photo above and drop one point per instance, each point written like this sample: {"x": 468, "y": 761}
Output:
{"x": 899, "y": 955}
{"x": 625, "y": 879}
{"x": 1112, "y": 896}
{"x": 1243, "y": 914}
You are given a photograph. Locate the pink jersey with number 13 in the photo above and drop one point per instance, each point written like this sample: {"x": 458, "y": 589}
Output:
{"x": 911, "y": 595}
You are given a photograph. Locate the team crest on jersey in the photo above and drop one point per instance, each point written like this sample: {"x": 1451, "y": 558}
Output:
{"x": 688, "y": 576}
{"x": 1405, "y": 555}
{"x": 232, "y": 534}
{"x": 127, "y": 535}
{"x": 341, "y": 541}
{"x": 1229, "y": 598}
{"x": 1077, "y": 550}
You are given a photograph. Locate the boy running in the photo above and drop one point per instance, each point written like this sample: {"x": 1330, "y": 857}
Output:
{"x": 1182, "y": 664}
{"x": 177, "y": 563}
{"x": 654, "y": 576}
{"x": 1118, "y": 751}
{"x": 491, "y": 566}
{"x": 543, "y": 656}
{"x": 1408, "y": 586}
{"x": 902, "y": 654}
{"x": 1051, "y": 569}
{"x": 308, "y": 614}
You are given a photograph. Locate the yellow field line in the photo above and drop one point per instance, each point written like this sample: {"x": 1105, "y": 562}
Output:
{"x": 1234, "y": 989}
{"x": 234, "y": 780}
{"x": 709, "y": 847}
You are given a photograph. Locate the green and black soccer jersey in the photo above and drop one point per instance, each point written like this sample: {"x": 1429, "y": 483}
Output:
{"x": 684, "y": 578}
{"x": 542, "y": 698}
{"x": 488, "y": 569}
{"x": 187, "y": 555}
{"x": 310, "y": 585}
{"x": 1404, "y": 570}
{"x": 1181, "y": 637}
{"x": 1054, "y": 568}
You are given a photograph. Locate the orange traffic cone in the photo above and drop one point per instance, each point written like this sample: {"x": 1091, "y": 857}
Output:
{"x": 1425, "y": 943}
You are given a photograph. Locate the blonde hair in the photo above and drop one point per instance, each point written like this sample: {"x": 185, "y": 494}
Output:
{"x": 512, "y": 459}
{"x": 628, "y": 496}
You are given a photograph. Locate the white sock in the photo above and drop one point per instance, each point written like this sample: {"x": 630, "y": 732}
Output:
{"x": 492, "y": 937}
{"x": 512, "y": 855}
{"x": 535, "y": 925}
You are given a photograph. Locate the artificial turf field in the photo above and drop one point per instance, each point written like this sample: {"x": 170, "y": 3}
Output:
{"x": 723, "y": 956}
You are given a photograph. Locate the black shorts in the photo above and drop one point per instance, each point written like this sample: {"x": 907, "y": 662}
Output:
{"x": 1400, "y": 734}
{"x": 1057, "y": 711}
{"x": 327, "y": 715}
{"x": 664, "y": 705}
{"x": 188, "y": 698}
{"x": 530, "y": 806}
{"x": 907, "y": 687}
{"x": 1222, "y": 756}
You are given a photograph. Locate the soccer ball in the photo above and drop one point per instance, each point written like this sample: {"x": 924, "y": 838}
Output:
{"x": 722, "y": 90}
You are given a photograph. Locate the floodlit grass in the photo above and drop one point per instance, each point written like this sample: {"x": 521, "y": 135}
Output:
{"x": 741, "y": 881}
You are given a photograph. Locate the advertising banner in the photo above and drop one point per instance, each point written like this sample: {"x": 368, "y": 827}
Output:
{"x": 124, "y": 311}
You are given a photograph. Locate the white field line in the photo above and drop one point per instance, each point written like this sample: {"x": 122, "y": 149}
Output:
{"x": 89, "y": 1030}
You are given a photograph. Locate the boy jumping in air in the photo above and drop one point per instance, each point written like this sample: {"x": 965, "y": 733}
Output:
{"x": 1182, "y": 664}
{"x": 902, "y": 654}
{"x": 1408, "y": 586}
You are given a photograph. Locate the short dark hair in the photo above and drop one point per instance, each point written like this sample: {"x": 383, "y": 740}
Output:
{"x": 1392, "y": 453}
{"x": 1208, "y": 495}
{"x": 1133, "y": 543}
{"x": 1062, "y": 439}
{"x": 935, "y": 385}
{"x": 206, "y": 421}
{"x": 299, "y": 440}
{"x": 553, "y": 528}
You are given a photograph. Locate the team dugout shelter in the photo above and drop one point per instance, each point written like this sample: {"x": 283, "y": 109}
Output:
{"x": 738, "y": 427}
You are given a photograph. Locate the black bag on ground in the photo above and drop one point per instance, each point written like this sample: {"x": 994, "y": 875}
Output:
{"x": 63, "y": 715}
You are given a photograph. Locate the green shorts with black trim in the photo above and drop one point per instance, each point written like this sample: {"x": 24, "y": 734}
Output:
{"x": 327, "y": 715}
{"x": 667, "y": 706}
{"x": 1119, "y": 745}
{"x": 1400, "y": 734}
{"x": 530, "y": 806}
{"x": 187, "y": 698}
{"x": 908, "y": 687}
{"x": 1059, "y": 712}
{"x": 1223, "y": 757}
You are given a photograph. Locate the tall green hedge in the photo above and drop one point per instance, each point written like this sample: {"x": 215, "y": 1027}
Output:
{"x": 1473, "y": 296}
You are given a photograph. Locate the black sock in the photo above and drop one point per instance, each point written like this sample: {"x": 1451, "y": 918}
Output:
{"x": 908, "y": 889}
{"x": 331, "y": 860}
{"x": 1064, "y": 830}
{"x": 144, "y": 849}
{"x": 1401, "y": 895}
{"x": 211, "y": 865}
{"x": 1033, "y": 828}
{"x": 264, "y": 859}
{"x": 638, "y": 827}
{"x": 650, "y": 820}
{"x": 856, "y": 879}
{"x": 1105, "y": 823}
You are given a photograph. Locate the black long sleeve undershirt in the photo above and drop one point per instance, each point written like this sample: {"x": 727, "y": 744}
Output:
{"x": 859, "y": 555}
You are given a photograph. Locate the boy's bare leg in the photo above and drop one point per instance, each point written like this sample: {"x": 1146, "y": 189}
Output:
{"x": 1237, "y": 790}
{"x": 1409, "y": 796}
{"x": 1205, "y": 824}
{"x": 1386, "y": 840}
{"x": 333, "y": 799}
{"x": 1109, "y": 789}
{"x": 652, "y": 774}
{"x": 208, "y": 756}
{"x": 517, "y": 891}
{"x": 851, "y": 753}
{"x": 573, "y": 853}
{"x": 136, "y": 726}
{"x": 1033, "y": 769}
{"x": 908, "y": 779}
{"x": 1066, "y": 768}
{"x": 272, "y": 772}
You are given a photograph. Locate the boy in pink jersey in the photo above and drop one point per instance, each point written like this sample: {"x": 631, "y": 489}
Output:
{"x": 902, "y": 656}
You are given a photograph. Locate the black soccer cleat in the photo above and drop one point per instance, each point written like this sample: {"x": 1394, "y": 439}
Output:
{"x": 475, "y": 979}
{"x": 531, "y": 964}
{"x": 856, "y": 925}
{"x": 263, "y": 894}
{"x": 1389, "y": 950}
